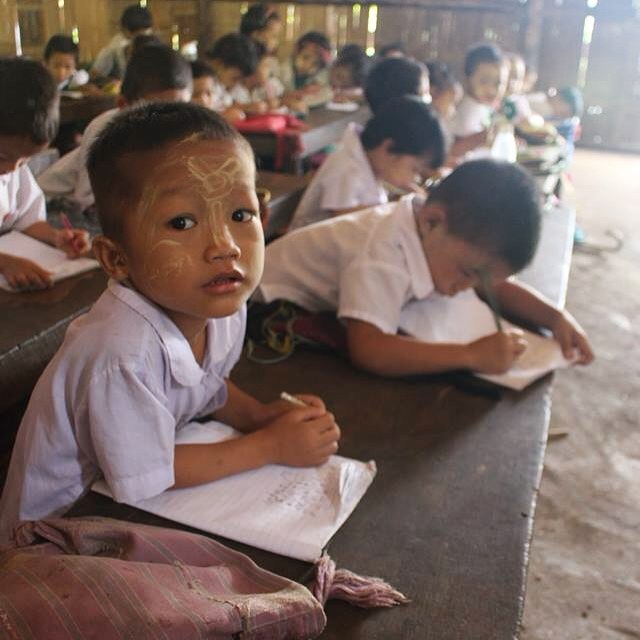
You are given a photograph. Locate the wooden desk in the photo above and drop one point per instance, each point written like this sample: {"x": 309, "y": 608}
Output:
{"x": 323, "y": 128}
{"x": 286, "y": 191}
{"x": 449, "y": 518}
{"x": 83, "y": 110}
{"x": 32, "y": 328}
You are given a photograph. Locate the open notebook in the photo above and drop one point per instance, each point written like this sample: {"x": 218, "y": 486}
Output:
{"x": 285, "y": 510}
{"x": 20, "y": 245}
{"x": 465, "y": 318}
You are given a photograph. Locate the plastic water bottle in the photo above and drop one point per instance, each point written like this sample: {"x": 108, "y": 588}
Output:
{"x": 504, "y": 145}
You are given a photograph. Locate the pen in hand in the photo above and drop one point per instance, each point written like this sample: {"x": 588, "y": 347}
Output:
{"x": 292, "y": 399}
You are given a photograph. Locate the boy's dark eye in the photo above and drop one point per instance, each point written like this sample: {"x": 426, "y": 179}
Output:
{"x": 242, "y": 215}
{"x": 181, "y": 223}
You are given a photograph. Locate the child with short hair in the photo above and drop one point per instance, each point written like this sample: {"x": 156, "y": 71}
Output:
{"x": 395, "y": 77}
{"x": 183, "y": 247}
{"x": 233, "y": 57}
{"x": 111, "y": 61}
{"x": 446, "y": 91}
{"x": 392, "y": 50}
{"x": 480, "y": 224}
{"x": 261, "y": 91}
{"x": 154, "y": 73}
{"x": 262, "y": 23}
{"x": 348, "y": 73}
{"x": 306, "y": 74}
{"x": 397, "y": 146}
{"x": 61, "y": 60}
{"x": 28, "y": 122}
{"x": 485, "y": 84}
{"x": 204, "y": 86}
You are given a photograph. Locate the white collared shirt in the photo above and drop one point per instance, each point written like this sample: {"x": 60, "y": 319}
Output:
{"x": 68, "y": 176}
{"x": 109, "y": 405}
{"x": 344, "y": 181}
{"x": 222, "y": 98}
{"x": 21, "y": 200}
{"x": 470, "y": 117}
{"x": 365, "y": 265}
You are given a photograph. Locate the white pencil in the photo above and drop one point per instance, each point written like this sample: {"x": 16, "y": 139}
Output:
{"x": 293, "y": 400}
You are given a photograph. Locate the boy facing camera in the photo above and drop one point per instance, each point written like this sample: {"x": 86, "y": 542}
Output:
{"x": 28, "y": 123}
{"x": 479, "y": 225}
{"x": 399, "y": 145}
{"x": 183, "y": 247}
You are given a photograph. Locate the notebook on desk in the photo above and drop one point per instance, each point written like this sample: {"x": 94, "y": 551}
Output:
{"x": 20, "y": 245}
{"x": 465, "y": 318}
{"x": 286, "y": 510}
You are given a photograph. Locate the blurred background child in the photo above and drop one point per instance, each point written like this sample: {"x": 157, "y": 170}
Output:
{"x": 61, "y": 60}
{"x": 348, "y": 73}
{"x": 261, "y": 91}
{"x": 262, "y": 23}
{"x": 446, "y": 91}
{"x": 395, "y": 77}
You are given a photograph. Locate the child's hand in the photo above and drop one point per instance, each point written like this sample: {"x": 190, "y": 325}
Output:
{"x": 74, "y": 242}
{"x": 302, "y": 437}
{"x": 572, "y": 338}
{"x": 496, "y": 353}
{"x": 22, "y": 274}
{"x": 273, "y": 410}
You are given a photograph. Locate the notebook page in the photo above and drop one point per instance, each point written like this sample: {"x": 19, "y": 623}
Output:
{"x": 285, "y": 510}
{"x": 465, "y": 318}
{"x": 54, "y": 260}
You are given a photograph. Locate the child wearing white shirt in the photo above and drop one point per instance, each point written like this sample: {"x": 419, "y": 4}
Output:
{"x": 401, "y": 143}
{"x": 479, "y": 225}
{"x": 486, "y": 77}
{"x": 154, "y": 73}
{"x": 183, "y": 246}
{"x": 28, "y": 123}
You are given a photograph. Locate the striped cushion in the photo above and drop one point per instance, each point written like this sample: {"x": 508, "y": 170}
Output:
{"x": 82, "y": 578}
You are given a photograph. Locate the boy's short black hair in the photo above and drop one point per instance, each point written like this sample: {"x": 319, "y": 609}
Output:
{"x": 573, "y": 98}
{"x": 28, "y": 101}
{"x": 154, "y": 68}
{"x": 355, "y": 58}
{"x": 136, "y": 18}
{"x": 392, "y": 78}
{"x": 440, "y": 76}
{"x": 319, "y": 40}
{"x": 493, "y": 205}
{"x": 141, "y": 129}
{"x": 257, "y": 17}
{"x": 200, "y": 69}
{"x": 482, "y": 54}
{"x": 386, "y": 49}
{"x": 60, "y": 43}
{"x": 235, "y": 50}
{"x": 411, "y": 125}
{"x": 144, "y": 40}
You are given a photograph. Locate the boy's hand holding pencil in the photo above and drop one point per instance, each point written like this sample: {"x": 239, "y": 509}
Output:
{"x": 74, "y": 242}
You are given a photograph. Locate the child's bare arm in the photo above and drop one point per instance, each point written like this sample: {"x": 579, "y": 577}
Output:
{"x": 397, "y": 355}
{"x": 24, "y": 274}
{"x": 301, "y": 437}
{"x": 74, "y": 242}
{"x": 521, "y": 301}
{"x": 463, "y": 144}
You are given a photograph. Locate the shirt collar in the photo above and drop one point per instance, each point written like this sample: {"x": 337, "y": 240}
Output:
{"x": 419, "y": 272}
{"x": 184, "y": 367}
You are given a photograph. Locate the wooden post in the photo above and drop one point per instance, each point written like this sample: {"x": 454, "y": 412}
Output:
{"x": 204, "y": 26}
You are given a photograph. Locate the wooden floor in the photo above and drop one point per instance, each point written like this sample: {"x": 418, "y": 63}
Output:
{"x": 584, "y": 576}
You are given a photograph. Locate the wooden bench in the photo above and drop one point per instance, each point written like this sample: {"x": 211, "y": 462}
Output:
{"x": 449, "y": 518}
{"x": 83, "y": 110}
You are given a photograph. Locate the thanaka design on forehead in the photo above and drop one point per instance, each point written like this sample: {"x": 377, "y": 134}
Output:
{"x": 213, "y": 178}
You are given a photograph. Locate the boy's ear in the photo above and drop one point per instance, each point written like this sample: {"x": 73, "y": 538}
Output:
{"x": 111, "y": 257}
{"x": 434, "y": 214}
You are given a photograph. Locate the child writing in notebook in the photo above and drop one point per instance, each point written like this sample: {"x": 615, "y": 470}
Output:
{"x": 397, "y": 146}
{"x": 28, "y": 123}
{"x": 479, "y": 225}
{"x": 306, "y": 74}
{"x": 154, "y": 73}
{"x": 183, "y": 247}
{"x": 486, "y": 74}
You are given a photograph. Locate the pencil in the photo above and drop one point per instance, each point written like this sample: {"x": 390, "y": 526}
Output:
{"x": 491, "y": 301}
{"x": 292, "y": 399}
{"x": 68, "y": 227}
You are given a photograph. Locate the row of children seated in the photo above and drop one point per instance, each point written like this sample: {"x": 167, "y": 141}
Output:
{"x": 182, "y": 244}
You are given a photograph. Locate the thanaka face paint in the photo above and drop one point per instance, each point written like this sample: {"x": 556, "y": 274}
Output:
{"x": 194, "y": 244}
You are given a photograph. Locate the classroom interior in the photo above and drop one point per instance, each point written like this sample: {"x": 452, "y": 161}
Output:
{"x": 499, "y": 513}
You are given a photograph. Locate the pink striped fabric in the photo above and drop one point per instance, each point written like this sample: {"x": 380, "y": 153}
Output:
{"x": 97, "y": 578}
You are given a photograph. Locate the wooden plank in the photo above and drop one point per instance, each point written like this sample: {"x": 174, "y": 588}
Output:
{"x": 85, "y": 109}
